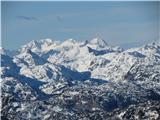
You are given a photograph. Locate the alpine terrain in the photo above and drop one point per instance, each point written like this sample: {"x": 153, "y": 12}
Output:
{"x": 80, "y": 80}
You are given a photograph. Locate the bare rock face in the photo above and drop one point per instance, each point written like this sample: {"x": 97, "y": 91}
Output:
{"x": 149, "y": 110}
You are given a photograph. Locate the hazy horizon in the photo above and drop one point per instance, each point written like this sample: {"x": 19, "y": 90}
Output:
{"x": 126, "y": 24}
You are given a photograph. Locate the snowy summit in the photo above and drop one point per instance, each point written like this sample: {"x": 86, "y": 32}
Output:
{"x": 48, "y": 79}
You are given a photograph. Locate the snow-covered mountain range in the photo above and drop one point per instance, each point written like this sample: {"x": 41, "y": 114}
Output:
{"x": 89, "y": 80}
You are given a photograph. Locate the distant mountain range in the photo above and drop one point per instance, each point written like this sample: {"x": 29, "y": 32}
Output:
{"x": 89, "y": 80}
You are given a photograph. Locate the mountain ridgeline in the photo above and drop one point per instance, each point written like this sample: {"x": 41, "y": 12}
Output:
{"x": 89, "y": 80}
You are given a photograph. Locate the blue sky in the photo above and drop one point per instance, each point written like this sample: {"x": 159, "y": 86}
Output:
{"x": 127, "y": 24}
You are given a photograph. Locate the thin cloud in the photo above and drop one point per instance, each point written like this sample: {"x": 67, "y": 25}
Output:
{"x": 29, "y": 18}
{"x": 59, "y": 18}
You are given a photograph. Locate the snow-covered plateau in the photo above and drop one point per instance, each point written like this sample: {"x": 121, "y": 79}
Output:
{"x": 72, "y": 80}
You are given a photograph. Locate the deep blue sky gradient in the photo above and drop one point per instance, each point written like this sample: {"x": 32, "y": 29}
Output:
{"x": 127, "y": 24}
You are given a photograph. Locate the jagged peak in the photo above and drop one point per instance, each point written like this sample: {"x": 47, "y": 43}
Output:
{"x": 39, "y": 45}
{"x": 39, "y": 42}
{"x": 152, "y": 45}
{"x": 32, "y": 58}
{"x": 98, "y": 41}
{"x": 70, "y": 40}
